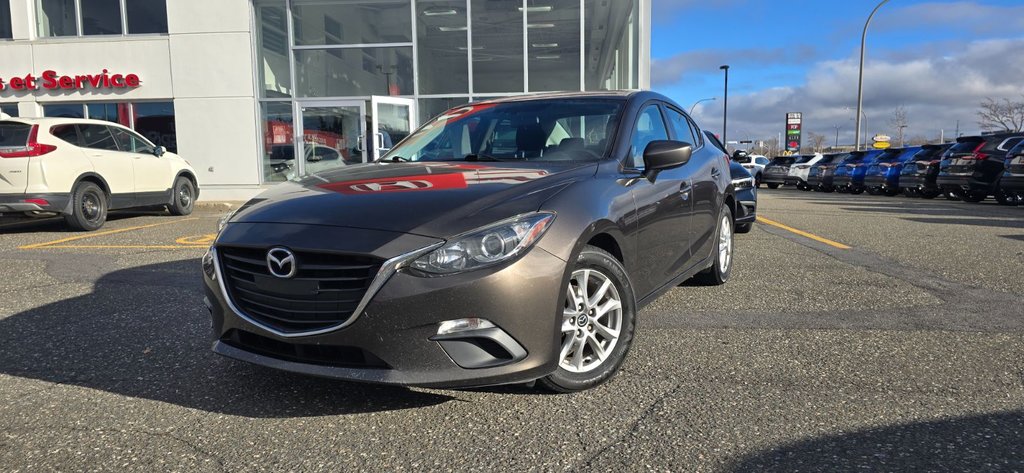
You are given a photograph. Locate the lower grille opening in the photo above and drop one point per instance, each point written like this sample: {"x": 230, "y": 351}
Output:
{"x": 326, "y": 355}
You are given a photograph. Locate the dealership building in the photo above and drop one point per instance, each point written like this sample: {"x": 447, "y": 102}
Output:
{"x": 240, "y": 88}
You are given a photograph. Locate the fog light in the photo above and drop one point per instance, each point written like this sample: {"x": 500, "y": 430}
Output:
{"x": 208, "y": 265}
{"x": 463, "y": 325}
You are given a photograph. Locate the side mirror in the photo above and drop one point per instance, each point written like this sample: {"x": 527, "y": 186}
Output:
{"x": 665, "y": 154}
{"x": 159, "y": 151}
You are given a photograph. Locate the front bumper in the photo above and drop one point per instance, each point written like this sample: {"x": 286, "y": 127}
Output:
{"x": 17, "y": 203}
{"x": 394, "y": 340}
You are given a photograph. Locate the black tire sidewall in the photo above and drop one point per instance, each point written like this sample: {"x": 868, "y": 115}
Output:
{"x": 176, "y": 207}
{"x": 76, "y": 219}
{"x": 565, "y": 381}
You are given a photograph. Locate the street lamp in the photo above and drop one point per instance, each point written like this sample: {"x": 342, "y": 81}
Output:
{"x": 837, "y": 127}
{"x": 701, "y": 100}
{"x": 725, "y": 108}
{"x": 865, "y": 115}
{"x": 860, "y": 79}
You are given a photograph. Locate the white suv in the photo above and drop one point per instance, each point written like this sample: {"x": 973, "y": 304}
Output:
{"x": 82, "y": 168}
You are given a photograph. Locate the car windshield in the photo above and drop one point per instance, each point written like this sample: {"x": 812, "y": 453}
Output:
{"x": 535, "y": 130}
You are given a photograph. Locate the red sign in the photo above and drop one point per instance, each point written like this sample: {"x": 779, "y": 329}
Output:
{"x": 51, "y": 80}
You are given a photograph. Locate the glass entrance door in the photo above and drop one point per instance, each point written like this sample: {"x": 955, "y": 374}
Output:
{"x": 329, "y": 135}
{"x": 392, "y": 119}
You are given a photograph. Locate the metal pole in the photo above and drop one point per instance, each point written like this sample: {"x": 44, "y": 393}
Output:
{"x": 725, "y": 112}
{"x": 860, "y": 79}
{"x": 699, "y": 101}
{"x": 837, "y": 136}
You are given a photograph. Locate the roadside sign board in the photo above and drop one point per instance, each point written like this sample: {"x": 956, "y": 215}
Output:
{"x": 794, "y": 127}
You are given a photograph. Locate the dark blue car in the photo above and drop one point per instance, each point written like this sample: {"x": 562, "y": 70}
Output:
{"x": 849, "y": 174}
{"x": 884, "y": 175}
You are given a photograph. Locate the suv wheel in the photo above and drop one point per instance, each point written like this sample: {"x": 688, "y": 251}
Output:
{"x": 88, "y": 208}
{"x": 183, "y": 196}
{"x": 973, "y": 197}
{"x": 1007, "y": 198}
{"x": 597, "y": 323}
{"x": 773, "y": 185}
{"x": 721, "y": 268}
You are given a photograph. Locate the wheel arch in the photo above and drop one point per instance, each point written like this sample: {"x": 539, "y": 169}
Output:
{"x": 191, "y": 176}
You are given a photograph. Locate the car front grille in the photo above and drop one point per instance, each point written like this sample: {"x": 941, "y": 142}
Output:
{"x": 314, "y": 354}
{"x": 324, "y": 292}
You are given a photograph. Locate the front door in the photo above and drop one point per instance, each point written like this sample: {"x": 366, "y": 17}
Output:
{"x": 329, "y": 135}
{"x": 391, "y": 120}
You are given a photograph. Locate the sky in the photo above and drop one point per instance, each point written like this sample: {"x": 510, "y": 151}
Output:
{"x": 936, "y": 59}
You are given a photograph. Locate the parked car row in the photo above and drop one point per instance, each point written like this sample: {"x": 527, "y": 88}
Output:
{"x": 971, "y": 169}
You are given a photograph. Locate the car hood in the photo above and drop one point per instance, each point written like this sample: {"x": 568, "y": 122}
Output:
{"x": 429, "y": 199}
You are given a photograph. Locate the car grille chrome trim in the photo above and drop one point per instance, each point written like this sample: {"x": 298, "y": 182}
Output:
{"x": 387, "y": 269}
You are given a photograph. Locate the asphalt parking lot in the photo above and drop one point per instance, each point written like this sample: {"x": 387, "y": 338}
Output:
{"x": 888, "y": 336}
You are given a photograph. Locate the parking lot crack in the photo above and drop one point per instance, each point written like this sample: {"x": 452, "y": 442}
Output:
{"x": 586, "y": 464}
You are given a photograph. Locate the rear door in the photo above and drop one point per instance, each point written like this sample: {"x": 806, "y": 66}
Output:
{"x": 13, "y": 170}
{"x": 109, "y": 162}
{"x": 152, "y": 174}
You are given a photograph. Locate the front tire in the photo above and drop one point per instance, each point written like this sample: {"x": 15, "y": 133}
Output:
{"x": 598, "y": 317}
{"x": 773, "y": 186}
{"x": 183, "y": 196}
{"x": 88, "y": 208}
{"x": 721, "y": 268}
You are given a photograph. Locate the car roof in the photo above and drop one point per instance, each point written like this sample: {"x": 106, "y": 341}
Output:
{"x": 59, "y": 121}
{"x": 596, "y": 94}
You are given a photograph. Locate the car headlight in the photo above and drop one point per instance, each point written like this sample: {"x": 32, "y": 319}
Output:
{"x": 486, "y": 246}
{"x": 743, "y": 182}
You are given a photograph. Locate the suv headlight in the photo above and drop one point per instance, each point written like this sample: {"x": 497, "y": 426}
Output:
{"x": 486, "y": 246}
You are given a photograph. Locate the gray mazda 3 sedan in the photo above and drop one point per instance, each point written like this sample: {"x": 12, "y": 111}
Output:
{"x": 505, "y": 241}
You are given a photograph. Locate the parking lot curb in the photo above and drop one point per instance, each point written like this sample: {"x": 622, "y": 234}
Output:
{"x": 218, "y": 204}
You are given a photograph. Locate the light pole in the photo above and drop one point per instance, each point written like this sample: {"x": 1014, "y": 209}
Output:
{"x": 701, "y": 100}
{"x": 860, "y": 79}
{"x": 865, "y": 115}
{"x": 725, "y": 108}
{"x": 837, "y": 127}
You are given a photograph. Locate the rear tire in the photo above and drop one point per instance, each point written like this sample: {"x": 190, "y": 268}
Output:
{"x": 721, "y": 267}
{"x": 973, "y": 197}
{"x": 183, "y": 196}
{"x": 88, "y": 208}
{"x": 1007, "y": 198}
{"x": 857, "y": 190}
{"x": 773, "y": 186}
{"x": 580, "y": 365}
{"x": 928, "y": 194}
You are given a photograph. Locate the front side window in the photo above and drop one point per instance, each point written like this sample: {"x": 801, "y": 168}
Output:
{"x": 649, "y": 127}
{"x": 97, "y": 137}
{"x": 536, "y": 130}
{"x": 681, "y": 127}
{"x": 130, "y": 142}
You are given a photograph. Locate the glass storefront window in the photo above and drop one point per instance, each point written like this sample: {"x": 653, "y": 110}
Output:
{"x": 272, "y": 52}
{"x": 497, "y": 46}
{"x": 317, "y": 22}
{"x": 553, "y": 39}
{"x": 101, "y": 17}
{"x": 5, "y": 21}
{"x": 155, "y": 121}
{"x": 442, "y": 46}
{"x": 146, "y": 16}
{"x": 62, "y": 110}
{"x": 278, "y": 141}
{"x": 613, "y": 50}
{"x": 56, "y": 18}
{"x": 430, "y": 108}
{"x": 9, "y": 109}
{"x": 111, "y": 112}
{"x": 353, "y": 72}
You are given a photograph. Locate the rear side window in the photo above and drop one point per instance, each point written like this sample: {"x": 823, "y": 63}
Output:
{"x": 14, "y": 134}
{"x": 1009, "y": 143}
{"x": 1019, "y": 149}
{"x": 97, "y": 137}
{"x": 66, "y": 133}
{"x": 966, "y": 146}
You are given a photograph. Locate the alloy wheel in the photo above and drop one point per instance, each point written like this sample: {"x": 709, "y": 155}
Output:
{"x": 725, "y": 244}
{"x": 591, "y": 321}
{"x": 184, "y": 197}
{"x": 91, "y": 206}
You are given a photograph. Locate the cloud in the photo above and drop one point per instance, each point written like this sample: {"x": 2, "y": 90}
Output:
{"x": 674, "y": 69}
{"x": 935, "y": 90}
{"x": 972, "y": 16}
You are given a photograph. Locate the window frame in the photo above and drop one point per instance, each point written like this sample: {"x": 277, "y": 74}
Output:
{"x": 80, "y": 28}
{"x": 695, "y": 132}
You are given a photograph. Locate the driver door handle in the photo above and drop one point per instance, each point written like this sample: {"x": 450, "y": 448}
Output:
{"x": 715, "y": 173}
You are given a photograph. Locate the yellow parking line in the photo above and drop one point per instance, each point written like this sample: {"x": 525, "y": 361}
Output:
{"x": 99, "y": 234}
{"x": 133, "y": 247}
{"x": 803, "y": 233}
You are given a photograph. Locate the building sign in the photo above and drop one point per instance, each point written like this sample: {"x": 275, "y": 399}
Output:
{"x": 794, "y": 124}
{"x": 51, "y": 80}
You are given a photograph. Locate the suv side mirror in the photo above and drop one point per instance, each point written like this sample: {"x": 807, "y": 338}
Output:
{"x": 665, "y": 154}
{"x": 159, "y": 151}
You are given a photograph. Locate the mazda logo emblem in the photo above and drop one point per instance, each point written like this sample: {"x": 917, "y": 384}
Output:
{"x": 281, "y": 262}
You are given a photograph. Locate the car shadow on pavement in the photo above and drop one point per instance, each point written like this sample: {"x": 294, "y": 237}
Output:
{"x": 144, "y": 332}
{"x": 990, "y": 442}
{"x": 56, "y": 224}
